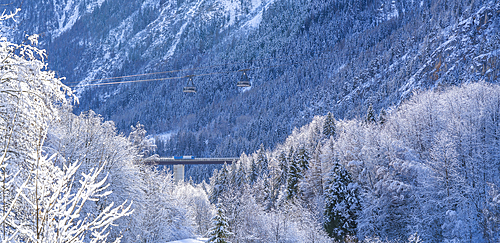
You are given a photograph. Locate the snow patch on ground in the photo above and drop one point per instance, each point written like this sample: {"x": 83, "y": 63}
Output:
{"x": 256, "y": 4}
{"x": 189, "y": 16}
{"x": 70, "y": 13}
{"x": 65, "y": 23}
{"x": 92, "y": 6}
{"x": 257, "y": 10}
{"x": 164, "y": 136}
{"x": 255, "y": 21}
{"x": 150, "y": 3}
{"x": 232, "y": 7}
{"x": 176, "y": 41}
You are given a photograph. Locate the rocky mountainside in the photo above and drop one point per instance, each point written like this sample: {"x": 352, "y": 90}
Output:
{"x": 305, "y": 58}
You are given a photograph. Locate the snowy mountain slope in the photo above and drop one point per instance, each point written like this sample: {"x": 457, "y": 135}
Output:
{"x": 306, "y": 58}
{"x": 472, "y": 44}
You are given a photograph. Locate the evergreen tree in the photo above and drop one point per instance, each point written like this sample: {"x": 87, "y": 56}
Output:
{"x": 219, "y": 183}
{"x": 329, "y": 125}
{"x": 219, "y": 232}
{"x": 312, "y": 184}
{"x": 294, "y": 177}
{"x": 283, "y": 166}
{"x": 252, "y": 177}
{"x": 262, "y": 162}
{"x": 382, "y": 117}
{"x": 269, "y": 192}
{"x": 275, "y": 187}
{"x": 341, "y": 203}
{"x": 240, "y": 176}
{"x": 370, "y": 115}
{"x": 303, "y": 158}
{"x": 291, "y": 156}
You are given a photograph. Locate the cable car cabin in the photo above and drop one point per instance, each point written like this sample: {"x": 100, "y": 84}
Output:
{"x": 190, "y": 88}
{"x": 245, "y": 81}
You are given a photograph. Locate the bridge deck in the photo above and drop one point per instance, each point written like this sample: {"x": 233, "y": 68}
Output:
{"x": 196, "y": 161}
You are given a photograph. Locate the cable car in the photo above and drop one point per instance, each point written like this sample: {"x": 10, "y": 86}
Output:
{"x": 244, "y": 81}
{"x": 190, "y": 88}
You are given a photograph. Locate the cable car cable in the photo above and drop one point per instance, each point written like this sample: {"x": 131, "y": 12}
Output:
{"x": 183, "y": 70}
{"x": 171, "y": 78}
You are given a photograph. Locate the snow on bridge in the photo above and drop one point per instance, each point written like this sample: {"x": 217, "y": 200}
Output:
{"x": 189, "y": 241}
{"x": 179, "y": 162}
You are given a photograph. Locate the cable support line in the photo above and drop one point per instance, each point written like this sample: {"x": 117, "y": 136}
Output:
{"x": 127, "y": 76}
{"x": 124, "y": 82}
{"x": 7, "y": 4}
{"x": 187, "y": 76}
{"x": 148, "y": 80}
{"x": 184, "y": 70}
{"x": 145, "y": 74}
{"x": 154, "y": 73}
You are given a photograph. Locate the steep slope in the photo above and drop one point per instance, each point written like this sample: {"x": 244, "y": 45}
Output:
{"x": 305, "y": 58}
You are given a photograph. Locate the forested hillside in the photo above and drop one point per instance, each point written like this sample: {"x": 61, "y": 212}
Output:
{"x": 306, "y": 58}
{"x": 366, "y": 120}
{"x": 427, "y": 170}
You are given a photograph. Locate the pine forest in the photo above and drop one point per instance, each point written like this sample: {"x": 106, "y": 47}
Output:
{"x": 356, "y": 121}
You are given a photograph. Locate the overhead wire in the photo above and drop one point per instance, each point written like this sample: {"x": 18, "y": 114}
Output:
{"x": 180, "y": 70}
{"x": 148, "y": 80}
{"x": 181, "y": 77}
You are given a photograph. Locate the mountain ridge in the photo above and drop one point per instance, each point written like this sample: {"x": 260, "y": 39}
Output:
{"x": 306, "y": 58}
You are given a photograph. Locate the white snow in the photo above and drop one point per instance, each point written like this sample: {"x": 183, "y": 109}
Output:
{"x": 65, "y": 23}
{"x": 70, "y": 13}
{"x": 255, "y": 21}
{"x": 189, "y": 17}
{"x": 394, "y": 11}
{"x": 164, "y": 136}
{"x": 92, "y": 6}
{"x": 232, "y": 8}
{"x": 150, "y": 3}
{"x": 257, "y": 18}
{"x": 176, "y": 41}
{"x": 199, "y": 240}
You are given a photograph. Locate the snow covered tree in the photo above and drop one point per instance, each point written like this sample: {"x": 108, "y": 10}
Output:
{"x": 253, "y": 173}
{"x": 341, "y": 203}
{"x": 303, "y": 159}
{"x": 40, "y": 203}
{"x": 329, "y": 125}
{"x": 294, "y": 177}
{"x": 283, "y": 169}
{"x": 370, "y": 115}
{"x": 138, "y": 139}
{"x": 219, "y": 232}
{"x": 312, "y": 184}
{"x": 382, "y": 117}
{"x": 162, "y": 218}
{"x": 262, "y": 162}
{"x": 218, "y": 185}
{"x": 240, "y": 175}
{"x": 57, "y": 207}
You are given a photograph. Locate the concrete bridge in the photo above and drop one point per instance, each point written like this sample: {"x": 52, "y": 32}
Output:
{"x": 179, "y": 162}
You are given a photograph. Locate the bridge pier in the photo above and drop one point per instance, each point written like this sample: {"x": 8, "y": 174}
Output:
{"x": 178, "y": 172}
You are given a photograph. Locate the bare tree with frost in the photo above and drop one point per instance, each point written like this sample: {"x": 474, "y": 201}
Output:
{"x": 39, "y": 201}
